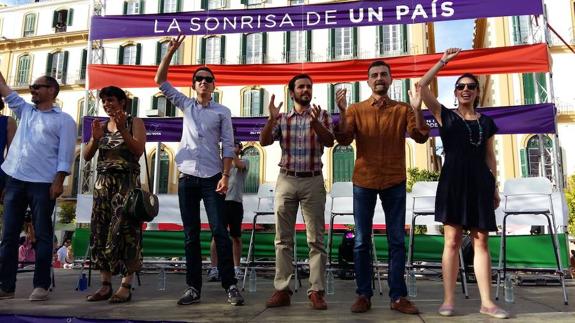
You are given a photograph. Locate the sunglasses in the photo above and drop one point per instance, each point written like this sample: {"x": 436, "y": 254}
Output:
{"x": 470, "y": 86}
{"x": 208, "y": 79}
{"x": 38, "y": 86}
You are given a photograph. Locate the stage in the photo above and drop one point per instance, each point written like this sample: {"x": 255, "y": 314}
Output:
{"x": 532, "y": 303}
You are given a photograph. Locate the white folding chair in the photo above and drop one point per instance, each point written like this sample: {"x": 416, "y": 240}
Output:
{"x": 516, "y": 195}
{"x": 266, "y": 194}
{"x": 343, "y": 192}
{"x": 423, "y": 204}
{"x": 265, "y": 207}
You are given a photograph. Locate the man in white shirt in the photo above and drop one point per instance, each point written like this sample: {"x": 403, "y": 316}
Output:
{"x": 204, "y": 174}
{"x": 38, "y": 161}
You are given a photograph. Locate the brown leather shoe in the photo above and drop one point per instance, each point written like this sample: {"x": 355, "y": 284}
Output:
{"x": 317, "y": 300}
{"x": 404, "y": 305}
{"x": 362, "y": 304}
{"x": 279, "y": 298}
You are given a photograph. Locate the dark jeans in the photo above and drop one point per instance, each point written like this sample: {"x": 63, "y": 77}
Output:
{"x": 393, "y": 203}
{"x": 19, "y": 195}
{"x": 191, "y": 190}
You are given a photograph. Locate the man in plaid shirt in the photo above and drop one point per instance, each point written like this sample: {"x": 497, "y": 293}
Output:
{"x": 302, "y": 133}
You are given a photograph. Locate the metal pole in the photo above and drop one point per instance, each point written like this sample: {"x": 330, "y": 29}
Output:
{"x": 157, "y": 167}
{"x": 559, "y": 185}
{"x": 558, "y": 176}
{"x": 85, "y": 108}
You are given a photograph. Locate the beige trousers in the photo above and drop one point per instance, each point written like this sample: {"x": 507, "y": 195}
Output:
{"x": 309, "y": 193}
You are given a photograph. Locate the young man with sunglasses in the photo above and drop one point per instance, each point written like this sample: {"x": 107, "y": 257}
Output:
{"x": 378, "y": 126}
{"x": 204, "y": 174}
{"x": 39, "y": 159}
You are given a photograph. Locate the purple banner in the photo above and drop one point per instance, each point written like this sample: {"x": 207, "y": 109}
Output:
{"x": 306, "y": 17}
{"x": 523, "y": 119}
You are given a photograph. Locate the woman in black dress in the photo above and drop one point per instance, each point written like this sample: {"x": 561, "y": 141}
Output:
{"x": 467, "y": 194}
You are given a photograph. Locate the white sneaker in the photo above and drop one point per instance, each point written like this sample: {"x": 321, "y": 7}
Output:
{"x": 39, "y": 294}
{"x": 213, "y": 275}
{"x": 239, "y": 273}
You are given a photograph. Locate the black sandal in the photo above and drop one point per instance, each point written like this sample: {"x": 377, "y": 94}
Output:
{"x": 99, "y": 297}
{"x": 116, "y": 299}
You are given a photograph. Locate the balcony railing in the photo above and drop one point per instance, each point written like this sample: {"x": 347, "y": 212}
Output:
{"x": 565, "y": 107}
{"x": 77, "y": 77}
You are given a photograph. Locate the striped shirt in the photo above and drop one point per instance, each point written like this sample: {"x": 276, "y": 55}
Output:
{"x": 301, "y": 147}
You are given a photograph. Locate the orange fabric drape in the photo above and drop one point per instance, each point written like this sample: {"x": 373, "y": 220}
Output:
{"x": 516, "y": 59}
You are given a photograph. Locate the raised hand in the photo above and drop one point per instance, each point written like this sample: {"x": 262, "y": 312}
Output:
{"x": 415, "y": 97}
{"x": 341, "y": 100}
{"x": 119, "y": 118}
{"x": 450, "y": 54}
{"x": 97, "y": 131}
{"x": 273, "y": 110}
{"x": 175, "y": 43}
{"x": 315, "y": 112}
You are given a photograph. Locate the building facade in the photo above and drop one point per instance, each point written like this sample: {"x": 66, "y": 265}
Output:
{"x": 523, "y": 155}
{"x": 34, "y": 50}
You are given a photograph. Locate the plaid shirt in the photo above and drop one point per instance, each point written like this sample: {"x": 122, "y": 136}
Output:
{"x": 301, "y": 148}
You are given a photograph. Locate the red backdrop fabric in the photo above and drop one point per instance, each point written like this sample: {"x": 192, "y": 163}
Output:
{"x": 501, "y": 60}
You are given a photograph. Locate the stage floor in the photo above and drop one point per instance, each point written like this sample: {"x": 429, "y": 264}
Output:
{"x": 532, "y": 303}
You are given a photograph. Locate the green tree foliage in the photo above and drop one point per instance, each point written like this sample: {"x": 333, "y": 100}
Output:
{"x": 67, "y": 212}
{"x": 570, "y": 198}
{"x": 415, "y": 175}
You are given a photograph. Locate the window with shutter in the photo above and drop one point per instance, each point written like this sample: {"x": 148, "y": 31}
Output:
{"x": 57, "y": 63}
{"x": 252, "y": 103}
{"x": 528, "y": 88}
{"x": 129, "y": 55}
{"x": 164, "y": 170}
{"x": 533, "y": 157}
{"x": 23, "y": 71}
{"x": 253, "y": 177}
{"x": 297, "y": 46}
{"x": 29, "y": 25}
{"x": 214, "y": 4}
{"x": 521, "y": 29}
{"x": 254, "y": 48}
{"x": 213, "y": 50}
{"x": 389, "y": 39}
{"x": 133, "y": 7}
{"x": 344, "y": 43}
{"x": 396, "y": 90}
{"x": 169, "y": 6}
{"x": 343, "y": 163}
{"x": 162, "y": 49}
{"x": 60, "y": 20}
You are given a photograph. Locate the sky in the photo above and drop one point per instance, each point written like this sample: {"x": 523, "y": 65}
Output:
{"x": 13, "y": 2}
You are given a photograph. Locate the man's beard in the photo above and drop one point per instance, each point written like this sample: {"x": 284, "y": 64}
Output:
{"x": 36, "y": 100}
{"x": 383, "y": 90}
{"x": 302, "y": 102}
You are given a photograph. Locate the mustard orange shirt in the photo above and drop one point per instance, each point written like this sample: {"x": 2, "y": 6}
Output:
{"x": 379, "y": 128}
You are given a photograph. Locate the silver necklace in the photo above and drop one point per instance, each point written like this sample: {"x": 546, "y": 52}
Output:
{"x": 470, "y": 132}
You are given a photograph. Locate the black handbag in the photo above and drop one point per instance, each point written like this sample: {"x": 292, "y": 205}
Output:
{"x": 141, "y": 205}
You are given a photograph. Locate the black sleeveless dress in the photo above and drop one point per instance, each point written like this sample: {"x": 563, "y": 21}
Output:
{"x": 466, "y": 185}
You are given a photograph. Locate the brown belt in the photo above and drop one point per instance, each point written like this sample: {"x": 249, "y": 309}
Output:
{"x": 300, "y": 174}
